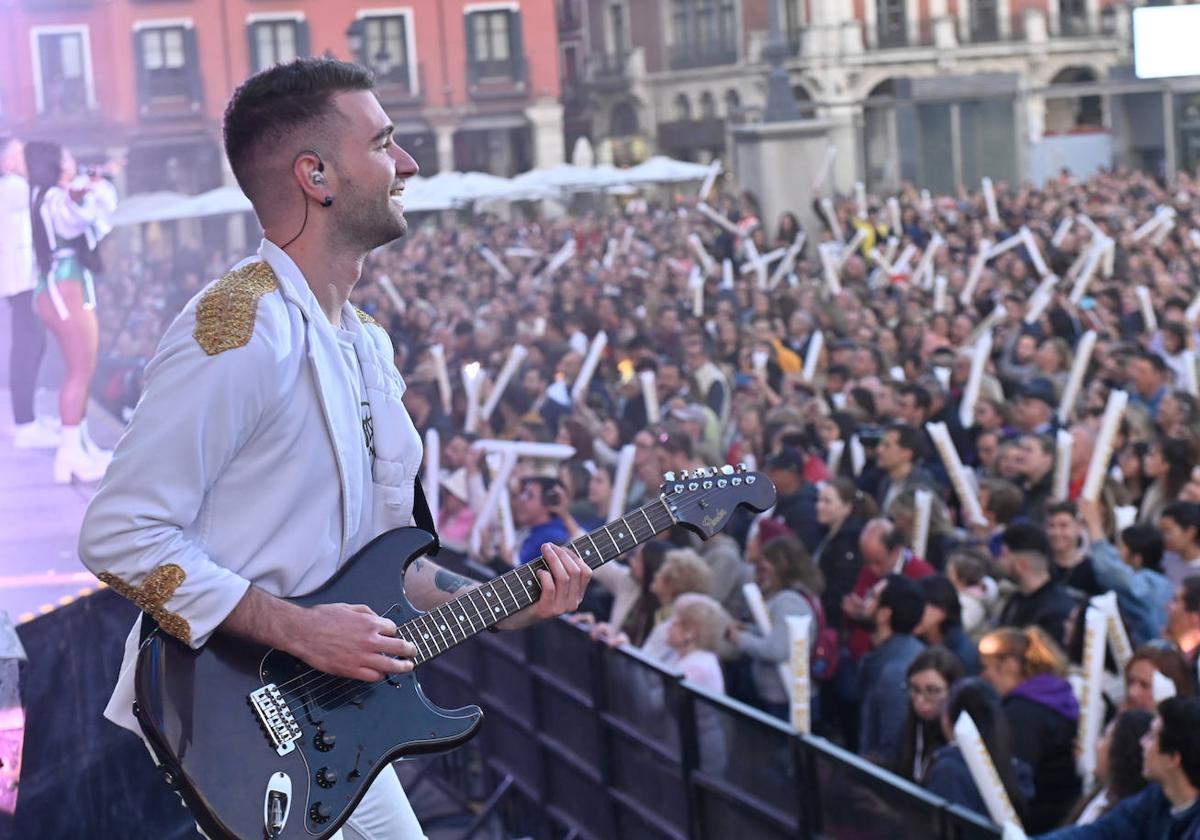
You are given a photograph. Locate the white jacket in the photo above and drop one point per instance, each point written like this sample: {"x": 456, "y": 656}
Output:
{"x": 16, "y": 237}
{"x": 245, "y": 461}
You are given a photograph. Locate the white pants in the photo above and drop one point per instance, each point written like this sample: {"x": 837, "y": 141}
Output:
{"x": 383, "y": 814}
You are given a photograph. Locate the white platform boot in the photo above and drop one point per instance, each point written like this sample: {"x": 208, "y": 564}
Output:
{"x": 73, "y": 461}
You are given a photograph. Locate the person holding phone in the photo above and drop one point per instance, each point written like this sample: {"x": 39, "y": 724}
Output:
{"x": 69, "y": 215}
{"x": 538, "y": 508}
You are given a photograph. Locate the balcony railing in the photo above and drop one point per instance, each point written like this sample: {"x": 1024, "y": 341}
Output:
{"x": 689, "y": 56}
{"x": 498, "y": 79}
{"x": 609, "y": 72}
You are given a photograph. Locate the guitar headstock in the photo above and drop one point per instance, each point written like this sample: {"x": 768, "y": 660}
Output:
{"x": 702, "y": 500}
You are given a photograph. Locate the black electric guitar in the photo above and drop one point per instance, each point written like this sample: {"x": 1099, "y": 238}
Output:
{"x": 262, "y": 747}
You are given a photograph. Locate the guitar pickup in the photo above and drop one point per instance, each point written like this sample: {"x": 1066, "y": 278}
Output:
{"x": 275, "y": 717}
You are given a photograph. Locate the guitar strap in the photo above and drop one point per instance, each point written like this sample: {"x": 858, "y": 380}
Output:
{"x": 424, "y": 518}
{"x": 421, "y": 515}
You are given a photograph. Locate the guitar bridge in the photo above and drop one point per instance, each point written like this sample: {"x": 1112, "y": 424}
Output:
{"x": 275, "y": 717}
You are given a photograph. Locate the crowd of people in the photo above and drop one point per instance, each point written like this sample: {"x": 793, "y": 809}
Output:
{"x": 987, "y": 616}
{"x": 823, "y": 374}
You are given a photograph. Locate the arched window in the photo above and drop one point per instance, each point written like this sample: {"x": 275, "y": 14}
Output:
{"x": 1070, "y": 113}
{"x": 683, "y": 107}
{"x": 708, "y": 106}
{"x": 733, "y": 103}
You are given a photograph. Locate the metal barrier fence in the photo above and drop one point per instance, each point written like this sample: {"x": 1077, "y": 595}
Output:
{"x": 601, "y": 743}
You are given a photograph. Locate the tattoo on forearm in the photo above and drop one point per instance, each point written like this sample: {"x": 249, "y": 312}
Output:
{"x": 418, "y": 564}
{"x": 450, "y": 582}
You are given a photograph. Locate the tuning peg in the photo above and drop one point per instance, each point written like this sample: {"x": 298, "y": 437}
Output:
{"x": 683, "y": 475}
{"x": 742, "y": 468}
{"x": 669, "y": 477}
{"x": 727, "y": 469}
{"x": 713, "y": 472}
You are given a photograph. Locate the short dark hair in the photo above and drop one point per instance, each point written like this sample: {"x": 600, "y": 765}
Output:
{"x": 920, "y": 396}
{"x": 1026, "y": 538}
{"x": 43, "y": 162}
{"x": 940, "y": 592}
{"x": 1155, "y": 361}
{"x": 1056, "y": 508}
{"x": 546, "y": 483}
{"x": 1180, "y": 734}
{"x": 1146, "y": 542}
{"x": 1184, "y": 514}
{"x": 1191, "y": 594}
{"x": 1047, "y": 443}
{"x": 903, "y": 597}
{"x": 273, "y": 104}
{"x": 1004, "y": 499}
{"x": 910, "y": 438}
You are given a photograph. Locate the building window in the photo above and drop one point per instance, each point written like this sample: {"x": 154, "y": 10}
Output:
{"x": 624, "y": 120}
{"x": 683, "y": 107}
{"x": 708, "y": 106}
{"x": 985, "y": 20}
{"x": 168, "y": 69}
{"x": 616, "y": 22}
{"x": 494, "y": 51}
{"x": 277, "y": 42}
{"x": 164, "y": 62}
{"x": 893, "y": 23}
{"x": 705, "y": 33}
{"x": 1072, "y": 17}
{"x": 385, "y": 47}
{"x": 62, "y": 64}
{"x": 733, "y": 103}
{"x": 792, "y": 19}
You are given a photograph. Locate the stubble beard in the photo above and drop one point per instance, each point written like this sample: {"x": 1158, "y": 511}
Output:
{"x": 367, "y": 225}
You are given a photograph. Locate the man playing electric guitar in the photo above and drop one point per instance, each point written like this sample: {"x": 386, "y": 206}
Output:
{"x": 271, "y": 443}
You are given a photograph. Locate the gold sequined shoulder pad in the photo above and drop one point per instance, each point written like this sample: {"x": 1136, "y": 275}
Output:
{"x": 365, "y": 318}
{"x": 226, "y": 313}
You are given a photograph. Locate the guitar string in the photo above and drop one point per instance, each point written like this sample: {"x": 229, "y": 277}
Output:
{"x": 339, "y": 688}
{"x": 347, "y": 686}
{"x": 509, "y": 605}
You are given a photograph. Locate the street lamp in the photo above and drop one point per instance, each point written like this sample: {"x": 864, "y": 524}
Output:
{"x": 383, "y": 62}
{"x": 355, "y": 36}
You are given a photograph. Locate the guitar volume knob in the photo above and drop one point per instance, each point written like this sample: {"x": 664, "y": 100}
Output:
{"x": 320, "y": 812}
{"x": 324, "y": 741}
{"x": 326, "y": 778}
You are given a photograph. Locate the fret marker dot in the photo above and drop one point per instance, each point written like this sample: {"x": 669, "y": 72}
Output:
{"x": 587, "y": 554}
{"x": 621, "y": 536}
{"x": 497, "y": 609}
{"x": 462, "y": 618}
{"x": 488, "y": 594}
{"x": 426, "y": 636}
{"x": 443, "y": 626}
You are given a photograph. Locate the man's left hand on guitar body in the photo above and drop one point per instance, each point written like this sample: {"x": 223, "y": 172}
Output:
{"x": 562, "y": 588}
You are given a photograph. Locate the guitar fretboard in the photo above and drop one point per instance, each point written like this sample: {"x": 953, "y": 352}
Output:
{"x": 443, "y": 627}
